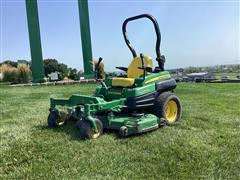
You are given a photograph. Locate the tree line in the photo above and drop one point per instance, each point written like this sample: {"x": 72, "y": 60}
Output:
{"x": 52, "y": 65}
{"x": 11, "y": 70}
{"x": 232, "y": 68}
{"x": 20, "y": 72}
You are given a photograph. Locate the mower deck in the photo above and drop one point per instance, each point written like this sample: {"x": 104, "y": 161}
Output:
{"x": 134, "y": 125}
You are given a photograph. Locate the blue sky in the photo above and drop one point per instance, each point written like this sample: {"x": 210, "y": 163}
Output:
{"x": 194, "y": 33}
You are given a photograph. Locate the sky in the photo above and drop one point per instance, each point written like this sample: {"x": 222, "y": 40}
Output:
{"x": 194, "y": 33}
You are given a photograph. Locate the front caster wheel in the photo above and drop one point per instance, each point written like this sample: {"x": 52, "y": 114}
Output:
{"x": 123, "y": 131}
{"x": 87, "y": 131}
{"x": 55, "y": 120}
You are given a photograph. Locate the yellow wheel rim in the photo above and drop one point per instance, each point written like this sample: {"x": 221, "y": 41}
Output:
{"x": 61, "y": 120}
{"x": 60, "y": 123}
{"x": 95, "y": 135}
{"x": 171, "y": 111}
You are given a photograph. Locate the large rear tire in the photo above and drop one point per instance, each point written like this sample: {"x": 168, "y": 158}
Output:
{"x": 87, "y": 131}
{"x": 168, "y": 106}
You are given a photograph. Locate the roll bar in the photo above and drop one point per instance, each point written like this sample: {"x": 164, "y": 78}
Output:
{"x": 160, "y": 59}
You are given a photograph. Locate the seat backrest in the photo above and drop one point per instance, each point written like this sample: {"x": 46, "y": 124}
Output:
{"x": 133, "y": 71}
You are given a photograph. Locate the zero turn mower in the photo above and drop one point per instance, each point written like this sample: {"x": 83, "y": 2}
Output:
{"x": 139, "y": 102}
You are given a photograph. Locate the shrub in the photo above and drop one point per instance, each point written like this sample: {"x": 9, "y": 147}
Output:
{"x": 24, "y": 74}
{"x": 10, "y": 74}
{"x": 65, "y": 78}
{"x": 21, "y": 74}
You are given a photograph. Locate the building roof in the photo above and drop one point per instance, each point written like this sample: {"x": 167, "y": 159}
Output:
{"x": 198, "y": 74}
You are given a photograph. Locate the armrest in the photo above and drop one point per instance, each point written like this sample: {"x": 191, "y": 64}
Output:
{"x": 148, "y": 69}
{"x": 122, "y": 68}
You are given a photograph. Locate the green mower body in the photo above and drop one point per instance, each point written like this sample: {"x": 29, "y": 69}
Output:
{"x": 128, "y": 104}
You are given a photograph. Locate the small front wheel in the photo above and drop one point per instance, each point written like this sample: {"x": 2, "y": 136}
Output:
{"x": 123, "y": 131}
{"x": 87, "y": 132}
{"x": 55, "y": 119}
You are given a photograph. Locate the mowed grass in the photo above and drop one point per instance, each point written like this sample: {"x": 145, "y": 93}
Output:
{"x": 229, "y": 75}
{"x": 204, "y": 145}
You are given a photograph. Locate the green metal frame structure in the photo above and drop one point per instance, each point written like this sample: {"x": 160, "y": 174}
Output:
{"x": 86, "y": 38}
{"x": 35, "y": 40}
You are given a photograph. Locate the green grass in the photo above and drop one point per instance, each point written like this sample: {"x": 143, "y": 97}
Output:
{"x": 205, "y": 145}
{"x": 229, "y": 75}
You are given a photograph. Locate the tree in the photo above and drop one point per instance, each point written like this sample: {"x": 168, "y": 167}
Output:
{"x": 73, "y": 74}
{"x": 81, "y": 73}
{"x": 11, "y": 63}
{"x": 24, "y": 73}
{"x": 52, "y": 65}
{"x": 63, "y": 71}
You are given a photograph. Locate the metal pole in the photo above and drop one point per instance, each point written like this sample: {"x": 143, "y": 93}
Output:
{"x": 35, "y": 41}
{"x": 85, "y": 38}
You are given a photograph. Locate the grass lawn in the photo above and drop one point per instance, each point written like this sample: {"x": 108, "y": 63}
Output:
{"x": 229, "y": 75}
{"x": 205, "y": 145}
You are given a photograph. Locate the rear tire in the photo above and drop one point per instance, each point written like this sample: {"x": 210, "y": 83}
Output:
{"x": 168, "y": 106}
{"x": 87, "y": 131}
